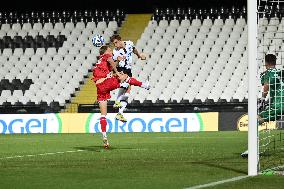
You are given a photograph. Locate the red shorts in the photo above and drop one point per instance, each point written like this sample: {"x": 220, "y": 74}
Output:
{"x": 104, "y": 88}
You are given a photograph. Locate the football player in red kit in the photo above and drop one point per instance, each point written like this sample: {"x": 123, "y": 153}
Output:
{"x": 106, "y": 81}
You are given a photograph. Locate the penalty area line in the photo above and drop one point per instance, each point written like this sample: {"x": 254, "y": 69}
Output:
{"x": 218, "y": 182}
{"x": 42, "y": 154}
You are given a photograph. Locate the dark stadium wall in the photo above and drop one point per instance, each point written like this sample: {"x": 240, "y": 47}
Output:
{"x": 130, "y": 6}
{"x": 229, "y": 121}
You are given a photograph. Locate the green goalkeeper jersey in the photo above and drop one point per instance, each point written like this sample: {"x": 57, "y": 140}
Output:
{"x": 273, "y": 77}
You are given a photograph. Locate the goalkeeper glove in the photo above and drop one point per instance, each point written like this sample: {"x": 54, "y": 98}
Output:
{"x": 261, "y": 104}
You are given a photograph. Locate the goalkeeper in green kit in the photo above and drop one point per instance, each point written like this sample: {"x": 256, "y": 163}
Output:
{"x": 272, "y": 85}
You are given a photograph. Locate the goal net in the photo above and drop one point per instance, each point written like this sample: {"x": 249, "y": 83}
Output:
{"x": 270, "y": 40}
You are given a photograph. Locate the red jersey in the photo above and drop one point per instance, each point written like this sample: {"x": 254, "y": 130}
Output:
{"x": 102, "y": 67}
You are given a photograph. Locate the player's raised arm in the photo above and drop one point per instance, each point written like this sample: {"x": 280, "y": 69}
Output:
{"x": 264, "y": 84}
{"x": 265, "y": 90}
{"x": 139, "y": 55}
{"x": 120, "y": 58}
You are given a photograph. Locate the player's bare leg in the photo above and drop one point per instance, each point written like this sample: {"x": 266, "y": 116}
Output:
{"x": 103, "y": 122}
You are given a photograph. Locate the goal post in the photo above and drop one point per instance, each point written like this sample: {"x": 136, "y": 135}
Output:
{"x": 253, "y": 158}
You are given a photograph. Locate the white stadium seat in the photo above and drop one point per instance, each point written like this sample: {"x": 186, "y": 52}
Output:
{"x": 54, "y": 32}
{"x": 6, "y": 27}
{"x": 80, "y": 25}
{"x": 59, "y": 26}
{"x": 37, "y": 26}
{"x": 44, "y": 32}
{"x": 102, "y": 25}
{"x": 48, "y": 26}
{"x": 22, "y": 33}
{"x": 91, "y": 25}
{"x": 2, "y": 33}
{"x": 33, "y": 32}
{"x": 69, "y": 26}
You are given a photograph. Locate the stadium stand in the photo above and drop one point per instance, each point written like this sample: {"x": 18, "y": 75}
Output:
{"x": 45, "y": 57}
{"x": 195, "y": 55}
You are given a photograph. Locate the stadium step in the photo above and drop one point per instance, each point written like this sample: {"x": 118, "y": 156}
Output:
{"x": 134, "y": 26}
{"x": 86, "y": 95}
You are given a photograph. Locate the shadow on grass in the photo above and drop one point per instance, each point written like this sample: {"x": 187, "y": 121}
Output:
{"x": 216, "y": 162}
{"x": 90, "y": 148}
{"x": 99, "y": 148}
{"x": 215, "y": 165}
{"x": 219, "y": 163}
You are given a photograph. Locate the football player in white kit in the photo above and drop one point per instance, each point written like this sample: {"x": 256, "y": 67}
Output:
{"x": 122, "y": 54}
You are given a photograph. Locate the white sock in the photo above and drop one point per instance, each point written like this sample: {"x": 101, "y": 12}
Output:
{"x": 145, "y": 85}
{"x": 124, "y": 85}
{"x": 104, "y": 134}
{"x": 124, "y": 97}
{"x": 123, "y": 106}
{"x": 119, "y": 93}
{"x": 124, "y": 103}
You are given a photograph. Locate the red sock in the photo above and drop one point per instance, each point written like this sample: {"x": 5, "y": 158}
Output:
{"x": 133, "y": 81}
{"x": 103, "y": 123}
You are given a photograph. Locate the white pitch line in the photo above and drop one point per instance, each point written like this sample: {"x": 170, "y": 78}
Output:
{"x": 218, "y": 182}
{"x": 43, "y": 154}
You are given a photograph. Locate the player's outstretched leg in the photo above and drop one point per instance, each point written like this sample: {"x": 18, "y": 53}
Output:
{"x": 135, "y": 82}
{"x": 124, "y": 98}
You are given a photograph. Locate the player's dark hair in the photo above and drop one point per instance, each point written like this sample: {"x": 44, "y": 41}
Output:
{"x": 270, "y": 59}
{"x": 115, "y": 36}
{"x": 103, "y": 49}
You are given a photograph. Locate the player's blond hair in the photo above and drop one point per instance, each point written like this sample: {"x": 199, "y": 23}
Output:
{"x": 103, "y": 49}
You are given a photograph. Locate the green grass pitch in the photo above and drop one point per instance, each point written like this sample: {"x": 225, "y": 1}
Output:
{"x": 135, "y": 160}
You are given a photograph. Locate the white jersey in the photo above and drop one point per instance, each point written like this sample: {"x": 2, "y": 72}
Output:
{"x": 124, "y": 52}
